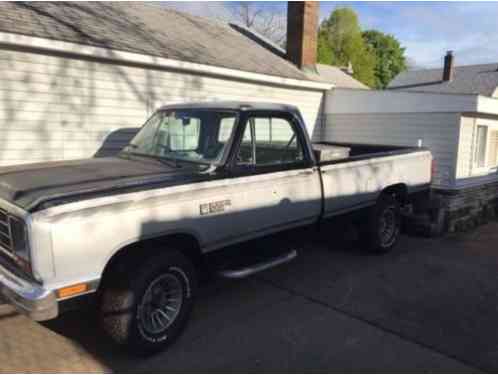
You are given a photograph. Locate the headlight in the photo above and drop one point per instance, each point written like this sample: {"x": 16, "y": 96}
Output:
{"x": 20, "y": 246}
{"x": 18, "y": 232}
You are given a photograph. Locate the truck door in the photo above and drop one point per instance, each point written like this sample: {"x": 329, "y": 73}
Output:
{"x": 281, "y": 187}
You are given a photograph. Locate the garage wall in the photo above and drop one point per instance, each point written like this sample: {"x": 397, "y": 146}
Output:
{"x": 436, "y": 131}
{"x": 404, "y": 118}
{"x": 54, "y": 108}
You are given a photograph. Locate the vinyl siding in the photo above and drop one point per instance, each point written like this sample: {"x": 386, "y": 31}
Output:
{"x": 436, "y": 131}
{"x": 54, "y": 108}
{"x": 397, "y": 101}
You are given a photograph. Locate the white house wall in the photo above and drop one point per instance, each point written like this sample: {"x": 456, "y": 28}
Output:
{"x": 55, "y": 108}
{"x": 436, "y": 131}
{"x": 374, "y": 101}
{"x": 488, "y": 105}
{"x": 399, "y": 118}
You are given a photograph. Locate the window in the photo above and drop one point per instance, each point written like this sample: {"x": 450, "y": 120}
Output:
{"x": 493, "y": 148}
{"x": 486, "y": 147}
{"x": 191, "y": 135}
{"x": 269, "y": 141}
{"x": 179, "y": 134}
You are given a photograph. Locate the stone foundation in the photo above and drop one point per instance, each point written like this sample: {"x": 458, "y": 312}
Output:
{"x": 467, "y": 208}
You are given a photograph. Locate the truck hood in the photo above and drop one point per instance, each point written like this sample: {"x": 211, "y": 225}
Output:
{"x": 41, "y": 185}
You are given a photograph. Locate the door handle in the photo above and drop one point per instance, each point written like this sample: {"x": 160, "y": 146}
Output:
{"x": 307, "y": 172}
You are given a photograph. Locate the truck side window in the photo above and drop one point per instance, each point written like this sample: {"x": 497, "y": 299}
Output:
{"x": 225, "y": 130}
{"x": 270, "y": 141}
{"x": 245, "y": 155}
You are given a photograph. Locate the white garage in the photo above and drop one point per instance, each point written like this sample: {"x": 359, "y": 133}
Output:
{"x": 76, "y": 78}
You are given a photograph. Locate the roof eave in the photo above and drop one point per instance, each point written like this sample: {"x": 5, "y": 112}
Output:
{"x": 50, "y": 46}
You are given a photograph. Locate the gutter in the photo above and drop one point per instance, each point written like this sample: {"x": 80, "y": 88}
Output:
{"x": 70, "y": 49}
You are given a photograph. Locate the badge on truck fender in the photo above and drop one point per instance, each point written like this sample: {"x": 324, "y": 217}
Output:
{"x": 214, "y": 207}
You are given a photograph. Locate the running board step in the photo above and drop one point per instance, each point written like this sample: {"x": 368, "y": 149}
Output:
{"x": 251, "y": 269}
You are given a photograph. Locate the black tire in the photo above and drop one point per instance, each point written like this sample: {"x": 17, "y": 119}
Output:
{"x": 123, "y": 307}
{"x": 377, "y": 236}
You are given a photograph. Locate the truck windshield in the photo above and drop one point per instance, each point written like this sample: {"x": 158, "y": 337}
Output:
{"x": 189, "y": 135}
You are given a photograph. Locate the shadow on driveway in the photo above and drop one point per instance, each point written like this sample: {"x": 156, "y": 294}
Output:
{"x": 429, "y": 306}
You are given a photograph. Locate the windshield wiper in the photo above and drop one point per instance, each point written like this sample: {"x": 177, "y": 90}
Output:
{"x": 168, "y": 162}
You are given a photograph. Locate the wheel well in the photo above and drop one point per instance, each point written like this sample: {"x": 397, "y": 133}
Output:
{"x": 136, "y": 252}
{"x": 400, "y": 192}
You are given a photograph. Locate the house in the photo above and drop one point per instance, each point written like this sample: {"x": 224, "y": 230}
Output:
{"x": 340, "y": 77}
{"x": 77, "y": 79}
{"x": 467, "y": 79}
{"x": 453, "y": 111}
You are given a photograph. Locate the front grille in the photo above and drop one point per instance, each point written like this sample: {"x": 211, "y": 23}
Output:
{"x": 9, "y": 234}
{"x": 5, "y": 232}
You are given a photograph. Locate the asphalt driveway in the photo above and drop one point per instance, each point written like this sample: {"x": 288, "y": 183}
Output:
{"x": 430, "y": 306}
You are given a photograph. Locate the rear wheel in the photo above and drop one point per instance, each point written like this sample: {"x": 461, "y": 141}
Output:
{"x": 381, "y": 231}
{"x": 147, "y": 308}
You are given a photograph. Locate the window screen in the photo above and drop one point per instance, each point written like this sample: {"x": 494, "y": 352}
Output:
{"x": 482, "y": 137}
{"x": 493, "y": 148}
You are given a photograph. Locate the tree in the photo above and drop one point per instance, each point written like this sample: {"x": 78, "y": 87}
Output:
{"x": 264, "y": 19}
{"x": 390, "y": 59}
{"x": 340, "y": 42}
{"x": 324, "y": 50}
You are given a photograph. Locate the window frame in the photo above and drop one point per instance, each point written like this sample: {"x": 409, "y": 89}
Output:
{"x": 237, "y": 169}
{"x": 486, "y": 168}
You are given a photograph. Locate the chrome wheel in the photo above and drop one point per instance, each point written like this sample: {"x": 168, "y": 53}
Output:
{"x": 161, "y": 304}
{"x": 388, "y": 226}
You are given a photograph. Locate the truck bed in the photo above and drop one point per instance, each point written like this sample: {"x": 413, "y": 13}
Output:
{"x": 361, "y": 151}
{"x": 358, "y": 180}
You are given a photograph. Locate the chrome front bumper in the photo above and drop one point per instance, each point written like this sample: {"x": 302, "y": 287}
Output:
{"x": 29, "y": 298}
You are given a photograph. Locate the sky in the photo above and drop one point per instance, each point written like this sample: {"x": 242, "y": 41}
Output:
{"x": 426, "y": 29}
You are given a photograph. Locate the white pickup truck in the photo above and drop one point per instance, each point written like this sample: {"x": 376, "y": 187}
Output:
{"x": 133, "y": 231}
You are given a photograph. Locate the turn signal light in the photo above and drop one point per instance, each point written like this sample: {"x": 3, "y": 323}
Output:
{"x": 72, "y": 290}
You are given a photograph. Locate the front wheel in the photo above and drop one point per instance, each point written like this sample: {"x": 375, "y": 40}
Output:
{"x": 147, "y": 308}
{"x": 381, "y": 231}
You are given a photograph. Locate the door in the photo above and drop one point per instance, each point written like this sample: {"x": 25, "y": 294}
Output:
{"x": 281, "y": 187}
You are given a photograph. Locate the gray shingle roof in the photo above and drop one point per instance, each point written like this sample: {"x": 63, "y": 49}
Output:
{"x": 469, "y": 79}
{"x": 146, "y": 29}
{"x": 335, "y": 75}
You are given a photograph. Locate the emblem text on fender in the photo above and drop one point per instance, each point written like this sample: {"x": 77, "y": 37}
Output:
{"x": 214, "y": 207}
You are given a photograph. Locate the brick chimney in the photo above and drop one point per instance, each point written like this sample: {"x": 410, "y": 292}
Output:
{"x": 302, "y": 29}
{"x": 448, "y": 66}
